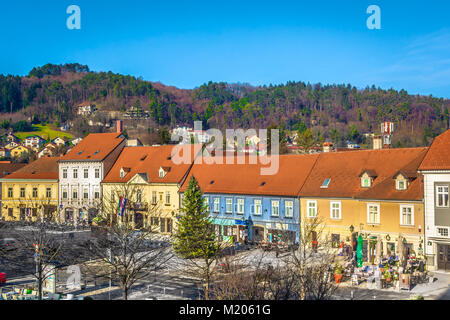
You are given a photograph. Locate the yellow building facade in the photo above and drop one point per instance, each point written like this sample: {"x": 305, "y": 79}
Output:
{"x": 344, "y": 219}
{"x": 31, "y": 193}
{"x": 150, "y": 181}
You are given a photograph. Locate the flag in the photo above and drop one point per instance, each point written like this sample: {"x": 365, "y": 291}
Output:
{"x": 122, "y": 204}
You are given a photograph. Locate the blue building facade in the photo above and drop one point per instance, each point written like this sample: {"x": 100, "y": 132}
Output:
{"x": 255, "y": 218}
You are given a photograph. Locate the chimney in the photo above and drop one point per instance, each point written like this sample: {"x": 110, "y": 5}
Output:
{"x": 377, "y": 143}
{"x": 119, "y": 125}
{"x": 327, "y": 146}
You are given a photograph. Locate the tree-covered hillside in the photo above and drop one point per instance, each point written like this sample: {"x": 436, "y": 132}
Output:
{"x": 334, "y": 112}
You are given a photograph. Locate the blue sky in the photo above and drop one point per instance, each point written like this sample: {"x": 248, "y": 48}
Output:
{"x": 188, "y": 43}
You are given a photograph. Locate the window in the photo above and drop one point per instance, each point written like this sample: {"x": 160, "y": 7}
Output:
{"x": 48, "y": 192}
{"x": 169, "y": 225}
{"x": 229, "y": 205}
{"x": 34, "y": 212}
{"x": 401, "y": 185}
{"x": 240, "y": 206}
{"x": 10, "y": 212}
{"x": 139, "y": 196}
{"x": 275, "y": 208}
{"x": 65, "y": 173}
{"x": 216, "y": 204}
{"x": 22, "y": 192}
{"x": 10, "y": 192}
{"x": 257, "y": 206}
{"x": 122, "y": 173}
{"x": 335, "y": 210}
{"x": 406, "y": 215}
{"x": 154, "y": 197}
{"x": 441, "y": 196}
{"x": 86, "y": 173}
{"x": 64, "y": 194}
{"x": 373, "y": 213}
{"x": 206, "y": 203}
{"x": 325, "y": 183}
{"x": 75, "y": 194}
{"x": 75, "y": 173}
{"x": 97, "y": 195}
{"x": 312, "y": 208}
{"x": 163, "y": 224}
{"x": 365, "y": 182}
{"x": 167, "y": 197}
{"x": 97, "y": 173}
{"x": 35, "y": 192}
{"x": 443, "y": 232}
{"x": 85, "y": 194}
{"x": 289, "y": 207}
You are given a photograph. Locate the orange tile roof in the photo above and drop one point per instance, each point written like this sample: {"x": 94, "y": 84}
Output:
{"x": 147, "y": 161}
{"x": 7, "y": 168}
{"x": 438, "y": 157}
{"x": 247, "y": 179}
{"x": 43, "y": 168}
{"x": 344, "y": 169}
{"x": 95, "y": 147}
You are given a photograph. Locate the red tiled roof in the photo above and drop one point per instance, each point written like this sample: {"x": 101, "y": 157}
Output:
{"x": 95, "y": 147}
{"x": 438, "y": 156}
{"x": 247, "y": 179}
{"x": 43, "y": 168}
{"x": 148, "y": 160}
{"x": 344, "y": 169}
{"x": 6, "y": 168}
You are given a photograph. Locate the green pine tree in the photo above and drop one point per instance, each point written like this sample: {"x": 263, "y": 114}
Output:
{"x": 195, "y": 239}
{"x": 195, "y": 236}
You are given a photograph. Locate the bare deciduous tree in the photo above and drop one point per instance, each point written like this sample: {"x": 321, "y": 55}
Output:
{"x": 120, "y": 252}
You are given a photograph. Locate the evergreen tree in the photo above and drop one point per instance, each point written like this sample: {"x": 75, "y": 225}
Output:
{"x": 195, "y": 239}
{"x": 195, "y": 235}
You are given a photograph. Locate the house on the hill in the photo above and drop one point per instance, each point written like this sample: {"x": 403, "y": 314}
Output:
{"x": 18, "y": 151}
{"x": 60, "y": 141}
{"x": 33, "y": 142}
{"x": 85, "y": 109}
{"x": 49, "y": 150}
{"x": 10, "y": 137}
{"x": 12, "y": 145}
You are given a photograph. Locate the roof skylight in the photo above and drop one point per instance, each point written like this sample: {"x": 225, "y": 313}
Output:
{"x": 325, "y": 183}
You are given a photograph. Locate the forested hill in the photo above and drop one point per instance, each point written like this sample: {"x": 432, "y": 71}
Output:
{"x": 334, "y": 112}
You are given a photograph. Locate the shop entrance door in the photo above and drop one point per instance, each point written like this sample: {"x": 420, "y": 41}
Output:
{"x": 444, "y": 257}
{"x": 258, "y": 234}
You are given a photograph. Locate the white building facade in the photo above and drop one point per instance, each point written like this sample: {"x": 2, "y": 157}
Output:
{"x": 435, "y": 168}
{"x": 80, "y": 177}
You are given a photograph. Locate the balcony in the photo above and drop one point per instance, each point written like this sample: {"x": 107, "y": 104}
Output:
{"x": 140, "y": 206}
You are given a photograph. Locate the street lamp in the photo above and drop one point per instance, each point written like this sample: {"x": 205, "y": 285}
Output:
{"x": 352, "y": 228}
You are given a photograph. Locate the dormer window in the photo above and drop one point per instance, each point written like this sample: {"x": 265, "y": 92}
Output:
{"x": 367, "y": 177}
{"x": 401, "y": 182}
{"x": 124, "y": 171}
{"x": 163, "y": 171}
{"x": 366, "y": 182}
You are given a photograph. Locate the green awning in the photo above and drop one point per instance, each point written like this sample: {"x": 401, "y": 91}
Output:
{"x": 223, "y": 222}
